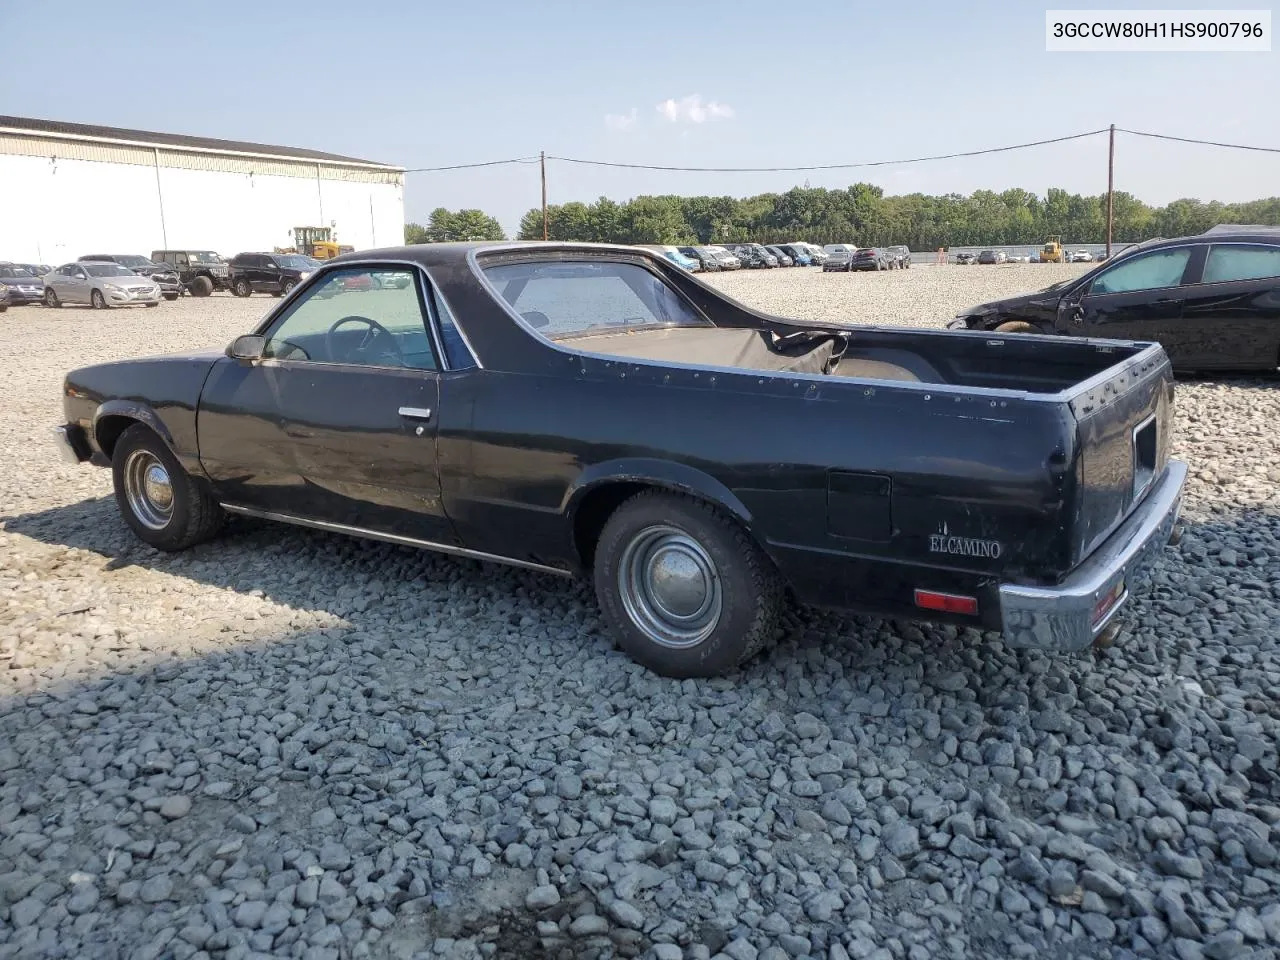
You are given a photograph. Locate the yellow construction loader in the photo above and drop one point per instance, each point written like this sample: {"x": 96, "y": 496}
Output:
{"x": 1052, "y": 250}
{"x": 316, "y": 242}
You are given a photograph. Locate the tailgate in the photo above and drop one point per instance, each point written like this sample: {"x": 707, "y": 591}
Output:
{"x": 1123, "y": 417}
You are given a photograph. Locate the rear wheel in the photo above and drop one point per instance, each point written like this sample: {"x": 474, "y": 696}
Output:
{"x": 1017, "y": 326}
{"x": 160, "y": 502}
{"x": 685, "y": 589}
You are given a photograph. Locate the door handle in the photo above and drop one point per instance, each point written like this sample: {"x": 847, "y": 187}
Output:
{"x": 416, "y": 413}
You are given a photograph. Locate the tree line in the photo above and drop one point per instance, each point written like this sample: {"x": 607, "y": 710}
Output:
{"x": 860, "y": 214}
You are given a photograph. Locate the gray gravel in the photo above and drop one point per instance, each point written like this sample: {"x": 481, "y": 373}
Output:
{"x": 290, "y": 744}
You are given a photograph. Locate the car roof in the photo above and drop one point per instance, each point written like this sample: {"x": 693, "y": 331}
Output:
{"x": 457, "y": 252}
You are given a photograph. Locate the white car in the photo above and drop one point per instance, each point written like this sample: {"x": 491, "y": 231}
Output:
{"x": 1082, "y": 256}
{"x": 99, "y": 284}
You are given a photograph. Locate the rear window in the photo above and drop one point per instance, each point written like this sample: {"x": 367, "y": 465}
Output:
{"x": 1244, "y": 262}
{"x": 562, "y": 300}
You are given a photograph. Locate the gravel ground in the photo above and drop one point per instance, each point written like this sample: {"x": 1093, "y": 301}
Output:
{"x": 285, "y": 743}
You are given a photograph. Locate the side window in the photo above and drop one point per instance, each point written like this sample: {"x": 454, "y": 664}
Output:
{"x": 1243, "y": 262}
{"x": 1151, "y": 271}
{"x": 356, "y": 316}
{"x": 456, "y": 350}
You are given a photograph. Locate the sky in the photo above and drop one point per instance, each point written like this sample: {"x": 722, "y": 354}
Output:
{"x": 754, "y": 83}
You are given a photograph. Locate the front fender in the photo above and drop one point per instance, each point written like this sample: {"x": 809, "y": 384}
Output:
{"x": 667, "y": 474}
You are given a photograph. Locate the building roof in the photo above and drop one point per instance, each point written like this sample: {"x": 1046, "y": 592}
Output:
{"x": 59, "y": 128}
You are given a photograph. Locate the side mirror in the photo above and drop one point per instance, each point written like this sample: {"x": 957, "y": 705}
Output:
{"x": 247, "y": 347}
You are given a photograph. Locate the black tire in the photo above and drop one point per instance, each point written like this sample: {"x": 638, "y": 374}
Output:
{"x": 201, "y": 287}
{"x": 288, "y": 287}
{"x": 172, "y": 296}
{"x": 241, "y": 288}
{"x": 193, "y": 514}
{"x": 749, "y": 593}
{"x": 156, "y": 304}
{"x": 97, "y": 300}
{"x": 51, "y": 298}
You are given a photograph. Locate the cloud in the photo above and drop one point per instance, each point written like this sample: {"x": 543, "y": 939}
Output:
{"x": 692, "y": 109}
{"x": 621, "y": 122}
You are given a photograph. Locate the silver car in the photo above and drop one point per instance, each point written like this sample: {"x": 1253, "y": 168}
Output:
{"x": 100, "y": 285}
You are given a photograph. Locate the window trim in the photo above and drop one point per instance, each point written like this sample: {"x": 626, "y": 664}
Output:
{"x": 1226, "y": 244}
{"x": 1182, "y": 281}
{"x": 607, "y": 257}
{"x": 286, "y": 309}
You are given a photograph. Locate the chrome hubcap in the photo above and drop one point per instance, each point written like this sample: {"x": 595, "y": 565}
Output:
{"x": 670, "y": 587}
{"x": 148, "y": 489}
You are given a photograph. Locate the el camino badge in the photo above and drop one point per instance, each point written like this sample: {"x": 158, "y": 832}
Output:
{"x": 943, "y": 542}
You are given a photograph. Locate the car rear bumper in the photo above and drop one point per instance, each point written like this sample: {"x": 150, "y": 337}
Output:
{"x": 1071, "y": 615}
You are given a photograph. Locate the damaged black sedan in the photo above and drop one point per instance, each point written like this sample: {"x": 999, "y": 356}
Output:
{"x": 593, "y": 410}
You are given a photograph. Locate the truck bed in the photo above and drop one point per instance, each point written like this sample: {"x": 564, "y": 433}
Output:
{"x": 1045, "y": 365}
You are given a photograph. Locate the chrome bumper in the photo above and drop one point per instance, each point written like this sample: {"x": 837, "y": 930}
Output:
{"x": 1063, "y": 617}
{"x": 957, "y": 324}
{"x": 66, "y": 449}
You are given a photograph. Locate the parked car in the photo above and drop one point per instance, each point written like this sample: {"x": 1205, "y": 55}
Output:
{"x": 966, "y": 259}
{"x": 37, "y": 269}
{"x": 992, "y": 256}
{"x": 870, "y": 258}
{"x": 728, "y": 259}
{"x": 707, "y": 260}
{"x": 900, "y": 257}
{"x": 20, "y": 285}
{"x": 164, "y": 275}
{"x": 99, "y": 285}
{"x": 275, "y": 273}
{"x": 839, "y": 257}
{"x": 1212, "y": 301}
{"x": 201, "y": 272}
{"x": 520, "y": 440}
{"x": 783, "y": 258}
{"x": 1081, "y": 256}
{"x": 753, "y": 255}
{"x": 817, "y": 256}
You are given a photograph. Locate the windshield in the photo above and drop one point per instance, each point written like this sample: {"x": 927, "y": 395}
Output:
{"x": 108, "y": 270}
{"x": 563, "y": 300}
{"x": 296, "y": 263}
{"x": 203, "y": 256}
{"x": 15, "y": 272}
{"x": 131, "y": 260}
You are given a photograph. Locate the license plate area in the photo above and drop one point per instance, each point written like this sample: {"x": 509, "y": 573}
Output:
{"x": 1144, "y": 456}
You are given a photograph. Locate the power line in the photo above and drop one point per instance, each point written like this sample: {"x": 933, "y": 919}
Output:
{"x": 1207, "y": 143}
{"x": 828, "y": 166}
{"x": 470, "y": 167}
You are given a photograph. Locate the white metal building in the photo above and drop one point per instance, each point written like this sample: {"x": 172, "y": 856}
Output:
{"x": 70, "y": 189}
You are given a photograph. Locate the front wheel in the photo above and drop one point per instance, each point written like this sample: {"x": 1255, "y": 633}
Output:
{"x": 51, "y": 298}
{"x": 98, "y": 300}
{"x": 171, "y": 297}
{"x": 159, "y": 501}
{"x": 288, "y": 287}
{"x": 242, "y": 288}
{"x": 685, "y": 589}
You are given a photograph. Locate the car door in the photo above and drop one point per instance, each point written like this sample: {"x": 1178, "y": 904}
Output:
{"x": 1231, "y": 316}
{"x": 268, "y": 274}
{"x": 1139, "y": 298}
{"x": 74, "y": 285}
{"x": 337, "y": 422}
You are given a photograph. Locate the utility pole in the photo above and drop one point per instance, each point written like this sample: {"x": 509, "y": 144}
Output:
{"x": 1111, "y": 184}
{"x": 544, "y": 195}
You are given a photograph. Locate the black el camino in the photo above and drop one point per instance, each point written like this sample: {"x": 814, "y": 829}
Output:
{"x": 594, "y": 410}
{"x": 1212, "y": 301}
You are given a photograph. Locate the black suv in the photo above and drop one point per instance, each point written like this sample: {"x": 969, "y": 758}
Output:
{"x": 900, "y": 257}
{"x": 276, "y": 273}
{"x": 200, "y": 271}
{"x": 1211, "y": 300}
{"x": 163, "y": 274}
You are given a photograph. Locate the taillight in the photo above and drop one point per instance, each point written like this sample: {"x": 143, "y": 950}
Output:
{"x": 947, "y": 602}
